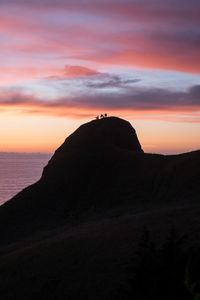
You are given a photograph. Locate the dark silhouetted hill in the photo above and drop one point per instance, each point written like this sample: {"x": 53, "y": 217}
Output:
{"x": 82, "y": 231}
{"x": 99, "y": 167}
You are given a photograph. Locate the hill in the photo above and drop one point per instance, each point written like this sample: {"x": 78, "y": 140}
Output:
{"x": 77, "y": 228}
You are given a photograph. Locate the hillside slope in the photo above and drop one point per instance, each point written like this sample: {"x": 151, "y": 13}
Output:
{"x": 81, "y": 231}
{"x": 99, "y": 167}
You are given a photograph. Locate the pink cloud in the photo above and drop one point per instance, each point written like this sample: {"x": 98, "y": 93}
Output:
{"x": 78, "y": 71}
{"x": 148, "y": 33}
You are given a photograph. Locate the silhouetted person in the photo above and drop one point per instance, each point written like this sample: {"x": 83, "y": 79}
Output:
{"x": 102, "y": 116}
{"x": 105, "y": 115}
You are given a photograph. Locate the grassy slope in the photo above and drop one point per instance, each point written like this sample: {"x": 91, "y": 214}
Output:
{"x": 121, "y": 178}
{"x": 87, "y": 261}
{"x": 86, "y": 255}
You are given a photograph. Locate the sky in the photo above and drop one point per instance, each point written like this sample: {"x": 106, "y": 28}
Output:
{"x": 64, "y": 62}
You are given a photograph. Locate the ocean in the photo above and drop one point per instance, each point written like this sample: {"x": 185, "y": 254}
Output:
{"x": 18, "y": 170}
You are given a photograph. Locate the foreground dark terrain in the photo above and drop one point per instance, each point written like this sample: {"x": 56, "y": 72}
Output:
{"x": 105, "y": 221}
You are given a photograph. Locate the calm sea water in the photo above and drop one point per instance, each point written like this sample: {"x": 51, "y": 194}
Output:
{"x": 18, "y": 170}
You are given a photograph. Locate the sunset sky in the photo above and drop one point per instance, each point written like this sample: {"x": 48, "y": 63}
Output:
{"x": 64, "y": 62}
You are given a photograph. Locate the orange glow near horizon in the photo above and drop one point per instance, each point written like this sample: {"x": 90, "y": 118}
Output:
{"x": 63, "y": 63}
{"x": 46, "y": 134}
{"x": 32, "y": 128}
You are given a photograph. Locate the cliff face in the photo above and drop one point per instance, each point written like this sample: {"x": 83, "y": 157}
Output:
{"x": 85, "y": 172}
{"x": 93, "y": 139}
{"x": 111, "y": 131}
{"x": 86, "y": 169}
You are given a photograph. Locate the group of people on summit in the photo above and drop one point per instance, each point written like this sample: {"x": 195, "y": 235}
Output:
{"x": 101, "y": 116}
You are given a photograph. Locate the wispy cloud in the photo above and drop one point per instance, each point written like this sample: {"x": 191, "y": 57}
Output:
{"x": 152, "y": 34}
{"x": 110, "y": 81}
{"x": 130, "y": 101}
{"x": 91, "y": 79}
